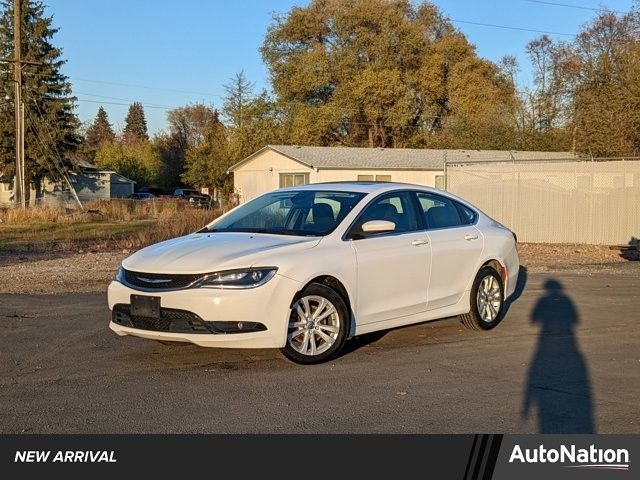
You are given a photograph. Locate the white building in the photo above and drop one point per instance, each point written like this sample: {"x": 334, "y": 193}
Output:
{"x": 276, "y": 166}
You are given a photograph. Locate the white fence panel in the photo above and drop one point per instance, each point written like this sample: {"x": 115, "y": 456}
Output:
{"x": 590, "y": 202}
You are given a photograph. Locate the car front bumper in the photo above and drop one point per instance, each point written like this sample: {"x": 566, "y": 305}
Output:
{"x": 268, "y": 304}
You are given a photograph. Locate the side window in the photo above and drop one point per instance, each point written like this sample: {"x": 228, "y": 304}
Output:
{"x": 396, "y": 207}
{"x": 439, "y": 212}
{"x": 467, "y": 215}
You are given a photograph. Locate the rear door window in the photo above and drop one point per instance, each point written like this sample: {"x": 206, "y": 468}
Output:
{"x": 439, "y": 212}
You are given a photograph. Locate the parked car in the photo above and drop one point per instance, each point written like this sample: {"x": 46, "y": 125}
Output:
{"x": 156, "y": 191}
{"x": 195, "y": 198}
{"x": 304, "y": 268}
{"x": 141, "y": 196}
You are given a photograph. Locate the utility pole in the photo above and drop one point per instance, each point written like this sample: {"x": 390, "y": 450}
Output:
{"x": 20, "y": 195}
{"x": 23, "y": 172}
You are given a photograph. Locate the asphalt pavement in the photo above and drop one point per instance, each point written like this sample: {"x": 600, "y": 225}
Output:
{"x": 565, "y": 359}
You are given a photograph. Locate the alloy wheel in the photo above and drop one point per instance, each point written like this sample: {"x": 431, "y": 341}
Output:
{"x": 314, "y": 325}
{"x": 489, "y": 298}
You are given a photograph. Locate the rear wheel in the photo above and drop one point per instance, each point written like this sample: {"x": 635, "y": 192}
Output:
{"x": 487, "y": 301}
{"x": 318, "y": 325}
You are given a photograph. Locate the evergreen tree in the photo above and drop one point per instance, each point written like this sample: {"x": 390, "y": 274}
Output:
{"x": 50, "y": 122}
{"x": 98, "y": 133}
{"x": 135, "y": 127}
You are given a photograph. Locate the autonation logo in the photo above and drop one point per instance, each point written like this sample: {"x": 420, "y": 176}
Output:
{"x": 573, "y": 457}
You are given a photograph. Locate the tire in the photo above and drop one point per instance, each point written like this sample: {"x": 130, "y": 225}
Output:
{"x": 310, "y": 340}
{"x": 485, "y": 318}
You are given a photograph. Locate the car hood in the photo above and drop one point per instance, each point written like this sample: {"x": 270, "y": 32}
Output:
{"x": 208, "y": 252}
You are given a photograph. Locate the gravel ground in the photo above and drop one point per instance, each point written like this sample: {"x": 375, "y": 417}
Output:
{"x": 85, "y": 272}
{"x": 58, "y": 273}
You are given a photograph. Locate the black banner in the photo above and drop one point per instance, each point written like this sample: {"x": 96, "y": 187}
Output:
{"x": 465, "y": 457}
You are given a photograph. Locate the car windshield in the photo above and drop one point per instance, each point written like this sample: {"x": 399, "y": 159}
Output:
{"x": 294, "y": 212}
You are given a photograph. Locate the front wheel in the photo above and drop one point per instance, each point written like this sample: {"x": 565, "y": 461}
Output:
{"x": 487, "y": 301}
{"x": 318, "y": 325}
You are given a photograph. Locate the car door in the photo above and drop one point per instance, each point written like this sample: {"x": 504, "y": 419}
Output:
{"x": 456, "y": 246}
{"x": 393, "y": 267}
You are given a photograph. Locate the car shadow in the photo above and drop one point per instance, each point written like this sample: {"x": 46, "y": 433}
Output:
{"x": 359, "y": 341}
{"x": 558, "y": 386}
{"x": 523, "y": 277}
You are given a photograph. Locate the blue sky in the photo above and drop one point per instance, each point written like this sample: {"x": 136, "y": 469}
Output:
{"x": 184, "y": 51}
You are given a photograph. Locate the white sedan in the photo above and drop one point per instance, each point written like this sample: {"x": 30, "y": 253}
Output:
{"x": 305, "y": 268}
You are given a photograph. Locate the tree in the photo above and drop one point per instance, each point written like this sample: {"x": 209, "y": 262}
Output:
{"x": 604, "y": 67}
{"x": 207, "y": 163}
{"x": 239, "y": 92}
{"x": 138, "y": 160}
{"x": 50, "y": 122}
{"x": 98, "y": 133}
{"x": 189, "y": 128}
{"x": 192, "y": 124}
{"x": 380, "y": 73}
{"x": 252, "y": 121}
{"x": 135, "y": 126}
{"x": 210, "y": 148}
{"x": 586, "y": 91}
{"x": 548, "y": 99}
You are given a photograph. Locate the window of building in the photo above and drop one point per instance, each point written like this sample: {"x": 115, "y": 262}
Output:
{"x": 293, "y": 179}
{"x": 440, "y": 182}
{"x": 365, "y": 178}
{"x": 374, "y": 178}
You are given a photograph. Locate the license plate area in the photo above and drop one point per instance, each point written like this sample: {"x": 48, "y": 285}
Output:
{"x": 145, "y": 306}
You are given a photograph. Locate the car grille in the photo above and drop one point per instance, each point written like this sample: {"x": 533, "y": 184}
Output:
{"x": 159, "y": 281}
{"x": 171, "y": 320}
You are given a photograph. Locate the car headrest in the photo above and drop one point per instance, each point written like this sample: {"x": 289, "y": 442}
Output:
{"x": 440, "y": 217}
{"x": 322, "y": 215}
{"x": 385, "y": 211}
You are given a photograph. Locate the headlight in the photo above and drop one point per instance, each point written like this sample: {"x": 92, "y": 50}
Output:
{"x": 120, "y": 274}
{"x": 248, "y": 278}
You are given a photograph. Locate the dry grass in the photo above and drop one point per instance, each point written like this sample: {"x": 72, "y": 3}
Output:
{"x": 105, "y": 225}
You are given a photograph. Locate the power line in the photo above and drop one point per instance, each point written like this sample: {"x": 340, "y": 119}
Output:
{"x": 119, "y": 98}
{"x": 52, "y": 159}
{"x": 148, "y": 87}
{"x": 507, "y": 27}
{"x": 581, "y": 7}
{"x": 86, "y": 100}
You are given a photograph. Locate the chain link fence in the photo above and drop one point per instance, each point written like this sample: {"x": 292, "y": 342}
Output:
{"x": 555, "y": 201}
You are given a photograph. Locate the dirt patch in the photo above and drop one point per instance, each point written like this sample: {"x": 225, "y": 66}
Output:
{"x": 546, "y": 257}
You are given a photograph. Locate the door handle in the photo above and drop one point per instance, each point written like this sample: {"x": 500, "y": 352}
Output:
{"x": 470, "y": 236}
{"x": 417, "y": 243}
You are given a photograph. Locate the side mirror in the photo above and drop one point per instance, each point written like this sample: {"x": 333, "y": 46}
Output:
{"x": 378, "y": 226}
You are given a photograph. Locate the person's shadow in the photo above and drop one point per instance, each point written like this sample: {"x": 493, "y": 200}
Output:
{"x": 558, "y": 385}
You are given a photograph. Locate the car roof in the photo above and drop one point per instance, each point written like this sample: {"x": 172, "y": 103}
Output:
{"x": 361, "y": 187}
